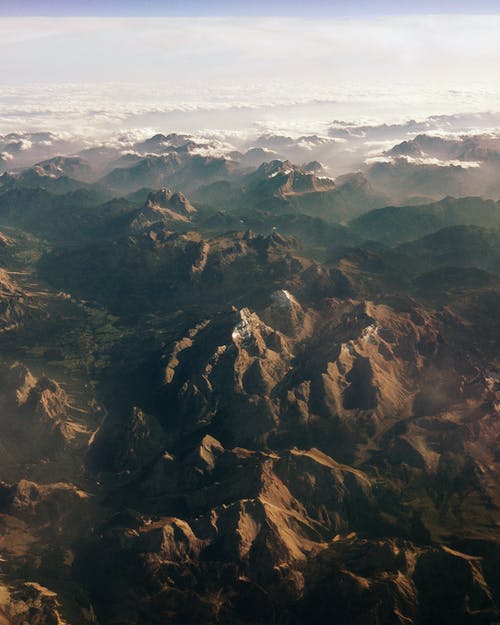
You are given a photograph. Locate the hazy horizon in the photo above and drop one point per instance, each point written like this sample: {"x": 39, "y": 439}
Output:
{"x": 193, "y": 72}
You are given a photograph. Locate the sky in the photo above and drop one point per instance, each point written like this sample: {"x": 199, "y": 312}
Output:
{"x": 187, "y": 8}
{"x": 316, "y": 41}
{"x": 131, "y": 60}
{"x": 443, "y": 49}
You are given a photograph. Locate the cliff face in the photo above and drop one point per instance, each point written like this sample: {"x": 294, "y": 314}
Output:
{"x": 38, "y": 420}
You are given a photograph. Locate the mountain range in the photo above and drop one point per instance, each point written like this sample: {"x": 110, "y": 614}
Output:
{"x": 237, "y": 390}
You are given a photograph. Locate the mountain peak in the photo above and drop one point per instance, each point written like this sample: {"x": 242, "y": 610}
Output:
{"x": 176, "y": 201}
{"x": 163, "y": 206}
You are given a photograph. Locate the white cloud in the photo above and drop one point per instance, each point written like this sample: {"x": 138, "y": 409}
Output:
{"x": 424, "y": 160}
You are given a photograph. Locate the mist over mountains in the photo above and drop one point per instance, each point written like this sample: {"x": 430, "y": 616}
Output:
{"x": 454, "y": 142}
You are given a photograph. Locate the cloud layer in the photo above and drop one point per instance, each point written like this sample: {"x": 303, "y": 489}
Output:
{"x": 99, "y": 76}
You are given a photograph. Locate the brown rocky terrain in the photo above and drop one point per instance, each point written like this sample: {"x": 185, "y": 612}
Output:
{"x": 276, "y": 413}
{"x": 287, "y": 424}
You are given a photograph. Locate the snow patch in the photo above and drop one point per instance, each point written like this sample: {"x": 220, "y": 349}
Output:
{"x": 243, "y": 329}
{"x": 369, "y": 333}
{"x": 284, "y": 172}
{"x": 284, "y": 299}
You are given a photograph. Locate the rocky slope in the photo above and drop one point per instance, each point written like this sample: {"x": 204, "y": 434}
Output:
{"x": 246, "y": 413}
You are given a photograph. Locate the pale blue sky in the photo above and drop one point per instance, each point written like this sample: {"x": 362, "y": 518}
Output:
{"x": 312, "y": 8}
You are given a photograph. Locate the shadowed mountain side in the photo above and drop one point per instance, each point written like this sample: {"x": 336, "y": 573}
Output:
{"x": 396, "y": 224}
